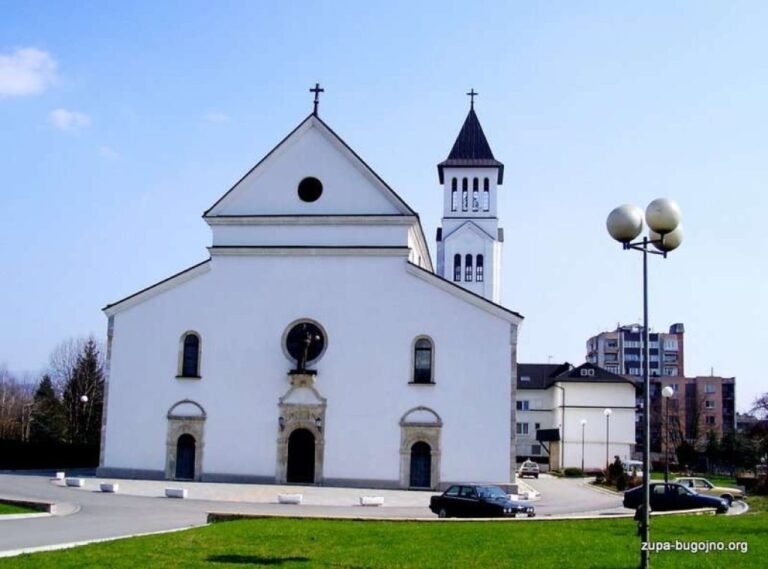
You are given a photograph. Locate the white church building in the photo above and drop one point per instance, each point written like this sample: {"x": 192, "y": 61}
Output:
{"x": 318, "y": 343}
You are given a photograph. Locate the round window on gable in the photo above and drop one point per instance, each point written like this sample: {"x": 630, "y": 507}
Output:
{"x": 310, "y": 189}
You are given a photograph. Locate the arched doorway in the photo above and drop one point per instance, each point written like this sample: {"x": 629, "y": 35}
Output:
{"x": 185, "y": 457}
{"x": 421, "y": 465}
{"x": 301, "y": 457}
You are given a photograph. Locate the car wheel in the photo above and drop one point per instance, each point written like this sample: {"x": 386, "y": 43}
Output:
{"x": 536, "y": 476}
{"x": 442, "y": 513}
{"x": 728, "y": 498}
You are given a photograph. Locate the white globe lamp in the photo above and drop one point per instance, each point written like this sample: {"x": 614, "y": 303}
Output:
{"x": 662, "y": 215}
{"x": 625, "y": 223}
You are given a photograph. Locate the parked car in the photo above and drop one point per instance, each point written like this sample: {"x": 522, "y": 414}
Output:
{"x": 478, "y": 501}
{"x": 673, "y": 496}
{"x": 633, "y": 468}
{"x": 704, "y": 486}
{"x": 529, "y": 468}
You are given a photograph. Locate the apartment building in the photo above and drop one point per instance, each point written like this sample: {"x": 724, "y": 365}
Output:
{"x": 621, "y": 351}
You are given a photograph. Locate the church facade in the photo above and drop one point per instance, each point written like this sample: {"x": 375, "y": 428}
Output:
{"x": 318, "y": 344}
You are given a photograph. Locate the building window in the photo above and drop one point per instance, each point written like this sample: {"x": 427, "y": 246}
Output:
{"x": 670, "y": 344}
{"x": 522, "y": 428}
{"x": 710, "y": 419}
{"x": 709, "y": 404}
{"x": 422, "y": 361}
{"x": 523, "y": 405}
{"x": 190, "y": 355}
{"x": 479, "y": 269}
{"x": 454, "y": 194}
{"x": 709, "y": 388}
{"x": 525, "y": 378}
{"x": 486, "y": 195}
{"x": 675, "y": 387}
{"x": 457, "y": 267}
{"x": 464, "y": 194}
{"x": 475, "y": 194}
{"x": 670, "y": 371}
{"x": 535, "y": 449}
{"x": 310, "y": 189}
{"x": 468, "y": 268}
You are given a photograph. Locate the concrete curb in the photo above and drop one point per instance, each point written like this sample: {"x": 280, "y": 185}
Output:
{"x": 38, "y": 505}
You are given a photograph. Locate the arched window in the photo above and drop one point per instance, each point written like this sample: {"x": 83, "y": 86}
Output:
{"x": 422, "y": 361}
{"x": 486, "y": 195}
{"x": 479, "y": 269}
{"x": 475, "y": 194}
{"x": 464, "y": 194}
{"x": 190, "y": 355}
{"x": 454, "y": 194}
{"x": 457, "y": 267}
{"x": 468, "y": 268}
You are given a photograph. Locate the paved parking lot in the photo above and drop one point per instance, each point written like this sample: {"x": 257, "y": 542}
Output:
{"x": 140, "y": 507}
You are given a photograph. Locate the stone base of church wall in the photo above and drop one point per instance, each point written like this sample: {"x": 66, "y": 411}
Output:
{"x": 135, "y": 473}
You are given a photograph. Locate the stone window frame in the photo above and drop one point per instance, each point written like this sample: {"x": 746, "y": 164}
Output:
{"x": 179, "y": 425}
{"x": 412, "y": 432}
{"x": 288, "y": 329}
{"x": 180, "y": 364}
{"x": 431, "y": 363}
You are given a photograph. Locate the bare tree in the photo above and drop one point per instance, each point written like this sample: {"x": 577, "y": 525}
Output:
{"x": 15, "y": 406}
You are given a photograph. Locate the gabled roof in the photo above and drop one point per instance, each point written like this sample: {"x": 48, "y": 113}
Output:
{"x": 314, "y": 121}
{"x": 543, "y": 376}
{"x": 471, "y": 149}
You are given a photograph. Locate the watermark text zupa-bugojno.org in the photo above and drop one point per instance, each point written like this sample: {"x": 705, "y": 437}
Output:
{"x": 696, "y": 546}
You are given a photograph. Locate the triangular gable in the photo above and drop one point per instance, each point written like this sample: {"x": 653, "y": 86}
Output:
{"x": 469, "y": 226}
{"x": 350, "y": 186}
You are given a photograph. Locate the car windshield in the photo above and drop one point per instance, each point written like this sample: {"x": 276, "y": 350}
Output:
{"x": 491, "y": 492}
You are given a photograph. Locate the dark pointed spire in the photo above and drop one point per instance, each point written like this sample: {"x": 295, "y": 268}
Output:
{"x": 471, "y": 149}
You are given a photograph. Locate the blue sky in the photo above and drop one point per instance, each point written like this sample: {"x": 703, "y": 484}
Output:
{"x": 122, "y": 122}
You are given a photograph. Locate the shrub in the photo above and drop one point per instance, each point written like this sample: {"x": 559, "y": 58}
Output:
{"x": 573, "y": 472}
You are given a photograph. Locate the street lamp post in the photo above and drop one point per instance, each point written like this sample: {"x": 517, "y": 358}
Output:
{"x": 607, "y": 413}
{"x": 666, "y": 393}
{"x": 624, "y": 224}
{"x": 583, "y": 424}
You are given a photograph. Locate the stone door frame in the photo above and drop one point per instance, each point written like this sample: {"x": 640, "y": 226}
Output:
{"x": 412, "y": 432}
{"x": 293, "y": 416}
{"x": 184, "y": 425}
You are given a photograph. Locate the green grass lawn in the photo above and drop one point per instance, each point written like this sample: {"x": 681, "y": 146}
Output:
{"x": 321, "y": 543}
{"x": 6, "y": 509}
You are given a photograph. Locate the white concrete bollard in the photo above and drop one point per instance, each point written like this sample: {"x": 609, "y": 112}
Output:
{"x": 175, "y": 492}
{"x": 290, "y": 498}
{"x": 371, "y": 500}
{"x": 109, "y": 487}
{"x": 60, "y": 475}
{"x": 75, "y": 482}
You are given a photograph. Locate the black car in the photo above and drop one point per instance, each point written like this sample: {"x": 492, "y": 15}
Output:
{"x": 477, "y": 501}
{"x": 673, "y": 496}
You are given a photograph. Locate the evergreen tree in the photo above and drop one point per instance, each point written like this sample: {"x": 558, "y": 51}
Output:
{"x": 84, "y": 397}
{"x": 47, "y": 414}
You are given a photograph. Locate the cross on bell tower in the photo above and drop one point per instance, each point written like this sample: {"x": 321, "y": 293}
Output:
{"x": 316, "y": 90}
{"x": 472, "y": 94}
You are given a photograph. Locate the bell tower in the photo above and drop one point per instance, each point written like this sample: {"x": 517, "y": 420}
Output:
{"x": 469, "y": 239}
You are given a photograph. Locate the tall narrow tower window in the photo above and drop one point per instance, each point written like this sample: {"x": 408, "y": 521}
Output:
{"x": 475, "y": 194}
{"x": 457, "y": 267}
{"x": 479, "y": 269}
{"x": 464, "y": 194}
{"x": 468, "y": 268}
{"x": 486, "y": 195}
{"x": 454, "y": 194}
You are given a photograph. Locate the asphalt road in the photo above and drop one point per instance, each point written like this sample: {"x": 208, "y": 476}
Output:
{"x": 102, "y": 516}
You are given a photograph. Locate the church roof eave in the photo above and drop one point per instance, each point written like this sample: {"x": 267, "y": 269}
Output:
{"x": 480, "y": 301}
